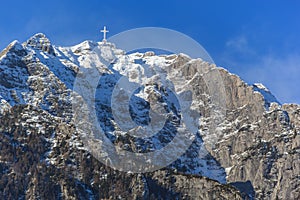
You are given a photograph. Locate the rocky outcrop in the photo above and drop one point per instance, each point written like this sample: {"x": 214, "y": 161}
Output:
{"x": 40, "y": 42}
{"x": 258, "y": 144}
{"x": 43, "y": 157}
{"x": 193, "y": 187}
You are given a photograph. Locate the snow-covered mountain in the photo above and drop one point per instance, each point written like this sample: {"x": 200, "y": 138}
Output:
{"x": 268, "y": 96}
{"x": 238, "y": 134}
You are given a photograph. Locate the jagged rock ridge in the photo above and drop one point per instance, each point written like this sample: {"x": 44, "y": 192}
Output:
{"x": 256, "y": 147}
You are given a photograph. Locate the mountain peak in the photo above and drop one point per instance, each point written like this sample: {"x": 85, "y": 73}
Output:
{"x": 265, "y": 92}
{"x": 89, "y": 45}
{"x": 40, "y": 42}
{"x": 37, "y": 39}
{"x": 14, "y": 49}
{"x": 261, "y": 86}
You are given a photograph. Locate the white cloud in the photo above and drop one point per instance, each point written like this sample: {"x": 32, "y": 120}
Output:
{"x": 280, "y": 74}
{"x": 239, "y": 45}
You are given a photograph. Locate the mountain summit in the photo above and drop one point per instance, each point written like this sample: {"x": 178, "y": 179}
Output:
{"x": 243, "y": 143}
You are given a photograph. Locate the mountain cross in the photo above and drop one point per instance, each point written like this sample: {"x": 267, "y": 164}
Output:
{"x": 104, "y": 31}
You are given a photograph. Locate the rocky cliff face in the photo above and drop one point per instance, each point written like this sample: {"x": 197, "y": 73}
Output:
{"x": 246, "y": 145}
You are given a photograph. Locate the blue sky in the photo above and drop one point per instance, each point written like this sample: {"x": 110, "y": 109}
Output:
{"x": 258, "y": 40}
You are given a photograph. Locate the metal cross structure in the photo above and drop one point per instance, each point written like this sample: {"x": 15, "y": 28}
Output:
{"x": 104, "y": 31}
